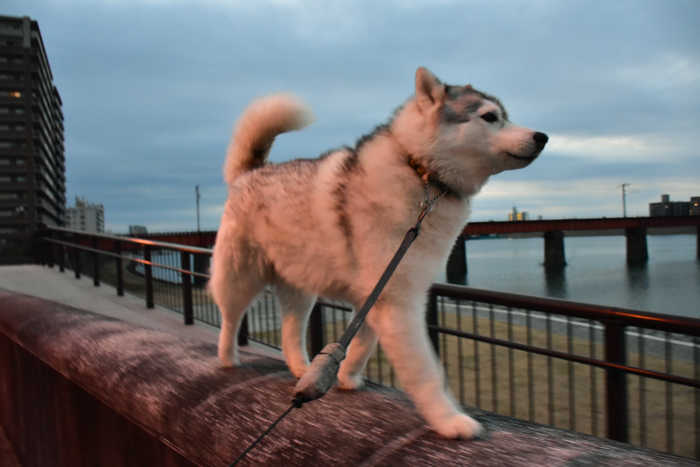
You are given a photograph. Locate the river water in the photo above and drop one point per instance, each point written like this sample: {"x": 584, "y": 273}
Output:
{"x": 596, "y": 272}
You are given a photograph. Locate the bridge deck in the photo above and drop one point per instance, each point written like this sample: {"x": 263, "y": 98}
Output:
{"x": 484, "y": 228}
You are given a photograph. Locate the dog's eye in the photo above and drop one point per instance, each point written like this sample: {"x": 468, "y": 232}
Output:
{"x": 490, "y": 117}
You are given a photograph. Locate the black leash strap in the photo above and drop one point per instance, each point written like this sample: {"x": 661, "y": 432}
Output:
{"x": 323, "y": 370}
{"x": 359, "y": 318}
{"x": 255, "y": 443}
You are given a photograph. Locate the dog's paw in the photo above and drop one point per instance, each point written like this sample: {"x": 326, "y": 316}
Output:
{"x": 460, "y": 426}
{"x": 350, "y": 383}
{"x": 298, "y": 370}
{"x": 227, "y": 361}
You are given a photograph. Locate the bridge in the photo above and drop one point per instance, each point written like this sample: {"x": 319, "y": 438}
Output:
{"x": 634, "y": 228}
{"x": 604, "y": 223}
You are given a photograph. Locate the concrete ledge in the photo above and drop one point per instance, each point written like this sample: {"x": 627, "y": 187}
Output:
{"x": 174, "y": 391}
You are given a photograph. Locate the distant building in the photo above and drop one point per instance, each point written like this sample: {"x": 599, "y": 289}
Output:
{"x": 695, "y": 206}
{"x": 136, "y": 230}
{"x": 32, "y": 159}
{"x": 667, "y": 208}
{"x": 518, "y": 216}
{"x": 85, "y": 216}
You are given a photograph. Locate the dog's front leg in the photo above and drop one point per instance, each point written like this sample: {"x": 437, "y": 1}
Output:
{"x": 350, "y": 373}
{"x": 404, "y": 338}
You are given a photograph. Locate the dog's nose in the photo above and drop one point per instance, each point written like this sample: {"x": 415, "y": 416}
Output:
{"x": 540, "y": 139}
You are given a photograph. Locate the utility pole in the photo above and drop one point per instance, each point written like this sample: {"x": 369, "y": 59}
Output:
{"x": 196, "y": 190}
{"x": 624, "y": 199}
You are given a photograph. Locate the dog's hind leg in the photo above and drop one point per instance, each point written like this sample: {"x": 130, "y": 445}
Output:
{"x": 232, "y": 305}
{"x": 359, "y": 351}
{"x": 296, "y": 307}
{"x": 232, "y": 289}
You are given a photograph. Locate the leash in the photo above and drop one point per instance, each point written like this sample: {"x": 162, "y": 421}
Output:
{"x": 323, "y": 370}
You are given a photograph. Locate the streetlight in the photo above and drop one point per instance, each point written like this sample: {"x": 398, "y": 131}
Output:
{"x": 624, "y": 199}
{"x": 196, "y": 190}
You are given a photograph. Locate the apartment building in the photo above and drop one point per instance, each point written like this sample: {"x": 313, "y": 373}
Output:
{"x": 668, "y": 208}
{"x": 32, "y": 159}
{"x": 86, "y": 216}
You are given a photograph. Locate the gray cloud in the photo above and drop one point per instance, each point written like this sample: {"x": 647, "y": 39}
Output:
{"x": 151, "y": 90}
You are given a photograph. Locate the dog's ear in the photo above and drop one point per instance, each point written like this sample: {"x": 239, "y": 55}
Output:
{"x": 430, "y": 92}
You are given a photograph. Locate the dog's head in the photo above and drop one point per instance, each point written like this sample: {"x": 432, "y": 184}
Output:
{"x": 469, "y": 137}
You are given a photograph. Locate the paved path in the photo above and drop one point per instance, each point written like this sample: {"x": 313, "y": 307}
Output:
{"x": 51, "y": 284}
{"x": 64, "y": 288}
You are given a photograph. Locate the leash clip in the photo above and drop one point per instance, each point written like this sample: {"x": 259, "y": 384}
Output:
{"x": 427, "y": 203}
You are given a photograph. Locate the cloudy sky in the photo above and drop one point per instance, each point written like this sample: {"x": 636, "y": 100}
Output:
{"x": 151, "y": 89}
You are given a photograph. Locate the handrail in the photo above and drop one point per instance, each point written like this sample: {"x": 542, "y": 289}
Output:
{"x": 137, "y": 260}
{"x": 612, "y": 322}
{"x": 626, "y": 317}
{"x": 142, "y": 241}
{"x": 694, "y": 383}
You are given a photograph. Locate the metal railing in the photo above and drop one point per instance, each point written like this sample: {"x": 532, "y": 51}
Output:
{"x": 628, "y": 375}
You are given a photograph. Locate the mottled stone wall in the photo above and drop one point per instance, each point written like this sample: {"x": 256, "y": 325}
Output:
{"x": 79, "y": 389}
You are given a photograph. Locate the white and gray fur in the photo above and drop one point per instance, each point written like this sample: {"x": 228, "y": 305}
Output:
{"x": 329, "y": 226}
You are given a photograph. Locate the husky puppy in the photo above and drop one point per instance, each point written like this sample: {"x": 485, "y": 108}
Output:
{"x": 329, "y": 226}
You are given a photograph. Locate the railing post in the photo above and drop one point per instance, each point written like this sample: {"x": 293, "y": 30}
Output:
{"x": 200, "y": 265}
{"x": 76, "y": 256}
{"x": 48, "y": 247}
{"x": 188, "y": 311}
{"x": 61, "y": 253}
{"x": 148, "y": 272}
{"x": 118, "y": 264}
{"x": 243, "y": 331}
{"x": 616, "y": 382}
{"x": 316, "y": 329}
{"x": 37, "y": 248}
{"x": 432, "y": 320}
{"x": 95, "y": 263}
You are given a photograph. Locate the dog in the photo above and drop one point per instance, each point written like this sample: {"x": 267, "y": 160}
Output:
{"x": 329, "y": 226}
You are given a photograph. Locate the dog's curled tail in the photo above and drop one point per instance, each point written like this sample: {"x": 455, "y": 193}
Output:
{"x": 257, "y": 128}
